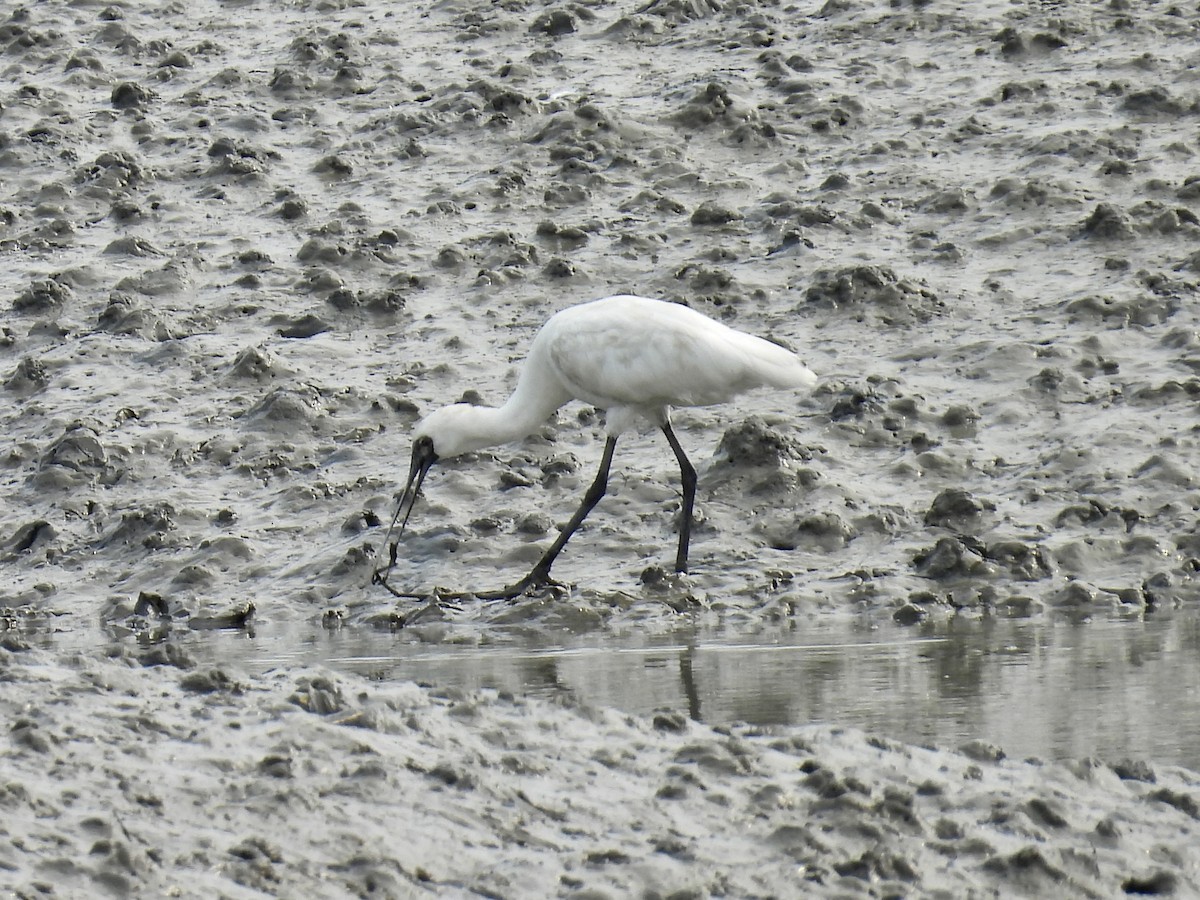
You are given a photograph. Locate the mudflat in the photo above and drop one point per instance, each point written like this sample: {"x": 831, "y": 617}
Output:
{"x": 247, "y": 245}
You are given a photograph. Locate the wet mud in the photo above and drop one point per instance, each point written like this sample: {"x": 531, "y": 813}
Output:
{"x": 247, "y": 245}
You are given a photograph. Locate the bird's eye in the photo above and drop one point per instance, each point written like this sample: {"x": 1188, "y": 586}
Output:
{"x": 423, "y": 446}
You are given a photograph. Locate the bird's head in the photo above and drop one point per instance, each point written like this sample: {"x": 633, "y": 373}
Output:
{"x": 453, "y": 430}
{"x": 443, "y": 433}
{"x": 423, "y": 458}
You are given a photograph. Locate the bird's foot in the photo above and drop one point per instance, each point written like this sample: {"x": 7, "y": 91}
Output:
{"x": 536, "y": 581}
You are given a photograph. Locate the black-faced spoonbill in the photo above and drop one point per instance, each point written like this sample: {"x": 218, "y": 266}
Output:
{"x": 634, "y": 358}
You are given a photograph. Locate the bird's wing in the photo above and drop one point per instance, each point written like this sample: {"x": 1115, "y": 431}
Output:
{"x": 647, "y": 361}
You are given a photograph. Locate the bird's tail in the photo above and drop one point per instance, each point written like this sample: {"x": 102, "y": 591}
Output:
{"x": 779, "y": 367}
{"x": 801, "y": 376}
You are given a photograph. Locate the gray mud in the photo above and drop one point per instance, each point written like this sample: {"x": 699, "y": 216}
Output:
{"x": 248, "y": 244}
{"x": 305, "y": 784}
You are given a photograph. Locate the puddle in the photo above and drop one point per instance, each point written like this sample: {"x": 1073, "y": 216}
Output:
{"x": 1049, "y": 688}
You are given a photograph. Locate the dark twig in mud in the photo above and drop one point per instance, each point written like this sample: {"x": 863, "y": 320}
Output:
{"x": 377, "y": 578}
{"x": 236, "y": 617}
{"x": 533, "y": 583}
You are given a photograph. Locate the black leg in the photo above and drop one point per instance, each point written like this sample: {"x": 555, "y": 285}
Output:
{"x": 687, "y": 474}
{"x": 541, "y": 572}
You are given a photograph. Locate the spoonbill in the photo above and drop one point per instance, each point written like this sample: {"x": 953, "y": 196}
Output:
{"x": 633, "y": 357}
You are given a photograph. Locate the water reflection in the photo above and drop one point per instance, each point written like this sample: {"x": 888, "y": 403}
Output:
{"x": 1049, "y": 687}
{"x": 1045, "y": 687}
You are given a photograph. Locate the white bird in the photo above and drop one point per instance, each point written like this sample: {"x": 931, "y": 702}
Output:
{"x": 634, "y": 358}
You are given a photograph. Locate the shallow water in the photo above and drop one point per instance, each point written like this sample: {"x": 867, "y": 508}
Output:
{"x": 1051, "y": 688}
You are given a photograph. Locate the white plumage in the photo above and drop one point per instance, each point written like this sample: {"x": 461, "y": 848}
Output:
{"x": 634, "y": 358}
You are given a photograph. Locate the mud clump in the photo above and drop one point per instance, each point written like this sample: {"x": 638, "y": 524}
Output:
{"x": 876, "y": 289}
{"x": 43, "y": 296}
{"x": 28, "y": 377}
{"x": 255, "y": 363}
{"x": 30, "y": 537}
{"x": 705, "y": 108}
{"x": 131, "y": 95}
{"x": 957, "y": 509}
{"x": 286, "y": 407}
{"x": 146, "y": 527}
{"x": 969, "y": 557}
{"x": 711, "y": 213}
{"x": 1107, "y": 222}
{"x": 124, "y": 315}
{"x": 77, "y": 457}
{"x": 952, "y": 557}
{"x": 555, "y": 23}
{"x": 754, "y": 443}
{"x": 825, "y": 531}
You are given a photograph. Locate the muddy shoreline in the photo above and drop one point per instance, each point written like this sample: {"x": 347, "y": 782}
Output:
{"x": 249, "y": 244}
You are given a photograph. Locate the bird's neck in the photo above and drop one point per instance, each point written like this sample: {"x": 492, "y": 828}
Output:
{"x": 530, "y": 405}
